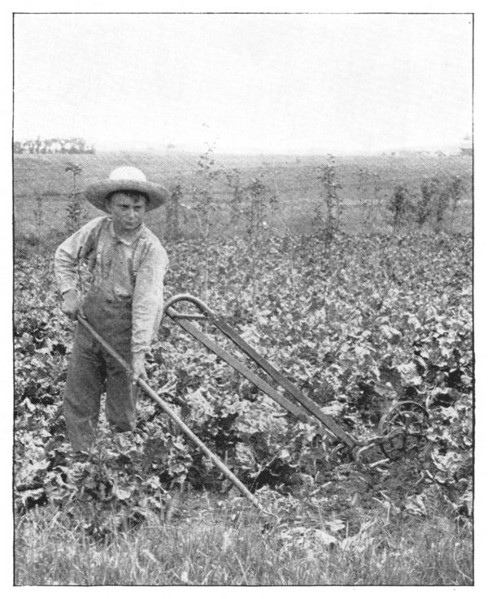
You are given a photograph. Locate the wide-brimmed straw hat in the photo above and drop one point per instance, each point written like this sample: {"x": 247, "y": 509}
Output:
{"x": 126, "y": 178}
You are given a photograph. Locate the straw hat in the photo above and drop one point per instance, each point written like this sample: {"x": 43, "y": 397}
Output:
{"x": 126, "y": 178}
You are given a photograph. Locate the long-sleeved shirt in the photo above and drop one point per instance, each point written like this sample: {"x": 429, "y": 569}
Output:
{"x": 131, "y": 270}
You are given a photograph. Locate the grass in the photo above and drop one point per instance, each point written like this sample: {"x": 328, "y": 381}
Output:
{"x": 229, "y": 543}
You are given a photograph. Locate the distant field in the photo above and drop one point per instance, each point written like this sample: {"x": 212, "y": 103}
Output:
{"x": 293, "y": 179}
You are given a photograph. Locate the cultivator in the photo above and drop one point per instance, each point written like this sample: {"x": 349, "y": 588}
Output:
{"x": 401, "y": 430}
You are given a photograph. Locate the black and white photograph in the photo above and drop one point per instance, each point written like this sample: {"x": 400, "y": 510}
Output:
{"x": 242, "y": 297}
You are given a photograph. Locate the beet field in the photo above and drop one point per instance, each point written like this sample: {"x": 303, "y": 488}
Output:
{"x": 354, "y": 279}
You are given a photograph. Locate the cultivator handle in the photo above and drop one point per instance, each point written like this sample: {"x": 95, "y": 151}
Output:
{"x": 302, "y": 407}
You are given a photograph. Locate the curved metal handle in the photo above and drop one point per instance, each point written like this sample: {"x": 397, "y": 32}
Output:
{"x": 307, "y": 406}
{"x": 186, "y": 297}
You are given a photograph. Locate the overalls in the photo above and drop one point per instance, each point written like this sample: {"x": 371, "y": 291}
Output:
{"x": 92, "y": 369}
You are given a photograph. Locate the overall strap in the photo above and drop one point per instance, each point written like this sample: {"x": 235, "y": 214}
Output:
{"x": 87, "y": 257}
{"x": 136, "y": 260}
{"x": 88, "y": 252}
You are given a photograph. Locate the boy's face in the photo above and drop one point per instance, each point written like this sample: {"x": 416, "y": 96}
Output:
{"x": 127, "y": 211}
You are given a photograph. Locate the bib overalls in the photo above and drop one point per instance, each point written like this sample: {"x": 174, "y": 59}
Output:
{"x": 91, "y": 369}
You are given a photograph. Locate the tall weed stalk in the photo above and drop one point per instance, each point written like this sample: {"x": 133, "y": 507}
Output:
{"x": 328, "y": 210}
{"x": 74, "y": 209}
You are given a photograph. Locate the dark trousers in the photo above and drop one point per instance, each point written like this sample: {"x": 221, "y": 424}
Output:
{"x": 92, "y": 370}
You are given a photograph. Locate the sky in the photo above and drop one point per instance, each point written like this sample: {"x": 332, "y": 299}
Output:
{"x": 290, "y": 83}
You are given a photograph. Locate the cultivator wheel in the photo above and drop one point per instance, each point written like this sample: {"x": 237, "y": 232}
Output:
{"x": 404, "y": 429}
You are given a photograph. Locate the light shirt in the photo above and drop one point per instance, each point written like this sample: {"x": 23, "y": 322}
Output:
{"x": 119, "y": 269}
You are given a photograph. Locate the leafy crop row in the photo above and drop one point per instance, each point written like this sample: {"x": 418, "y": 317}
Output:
{"x": 357, "y": 324}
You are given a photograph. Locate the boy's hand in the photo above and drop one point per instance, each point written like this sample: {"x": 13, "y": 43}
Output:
{"x": 138, "y": 367}
{"x": 71, "y": 304}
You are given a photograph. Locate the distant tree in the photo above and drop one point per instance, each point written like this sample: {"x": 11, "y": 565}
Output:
{"x": 457, "y": 187}
{"x": 400, "y": 205}
{"x": 424, "y": 207}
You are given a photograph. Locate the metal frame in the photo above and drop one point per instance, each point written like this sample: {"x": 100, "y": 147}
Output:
{"x": 299, "y": 404}
{"x": 305, "y": 408}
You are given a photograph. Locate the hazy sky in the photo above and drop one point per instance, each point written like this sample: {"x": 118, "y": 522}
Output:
{"x": 338, "y": 83}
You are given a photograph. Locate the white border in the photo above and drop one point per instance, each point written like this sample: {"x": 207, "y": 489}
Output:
{"x": 481, "y": 203}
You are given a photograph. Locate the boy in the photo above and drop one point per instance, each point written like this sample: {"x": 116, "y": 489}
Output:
{"x": 124, "y": 302}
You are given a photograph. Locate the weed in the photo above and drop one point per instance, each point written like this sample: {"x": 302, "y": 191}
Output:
{"x": 329, "y": 209}
{"x": 173, "y": 225}
{"x": 74, "y": 209}
{"x": 206, "y": 211}
{"x": 400, "y": 205}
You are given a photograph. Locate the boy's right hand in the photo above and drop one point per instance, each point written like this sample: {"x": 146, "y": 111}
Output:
{"x": 71, "y": 304}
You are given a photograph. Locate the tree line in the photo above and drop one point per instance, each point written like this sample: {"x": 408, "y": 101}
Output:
{"x": 54, "y": 145}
